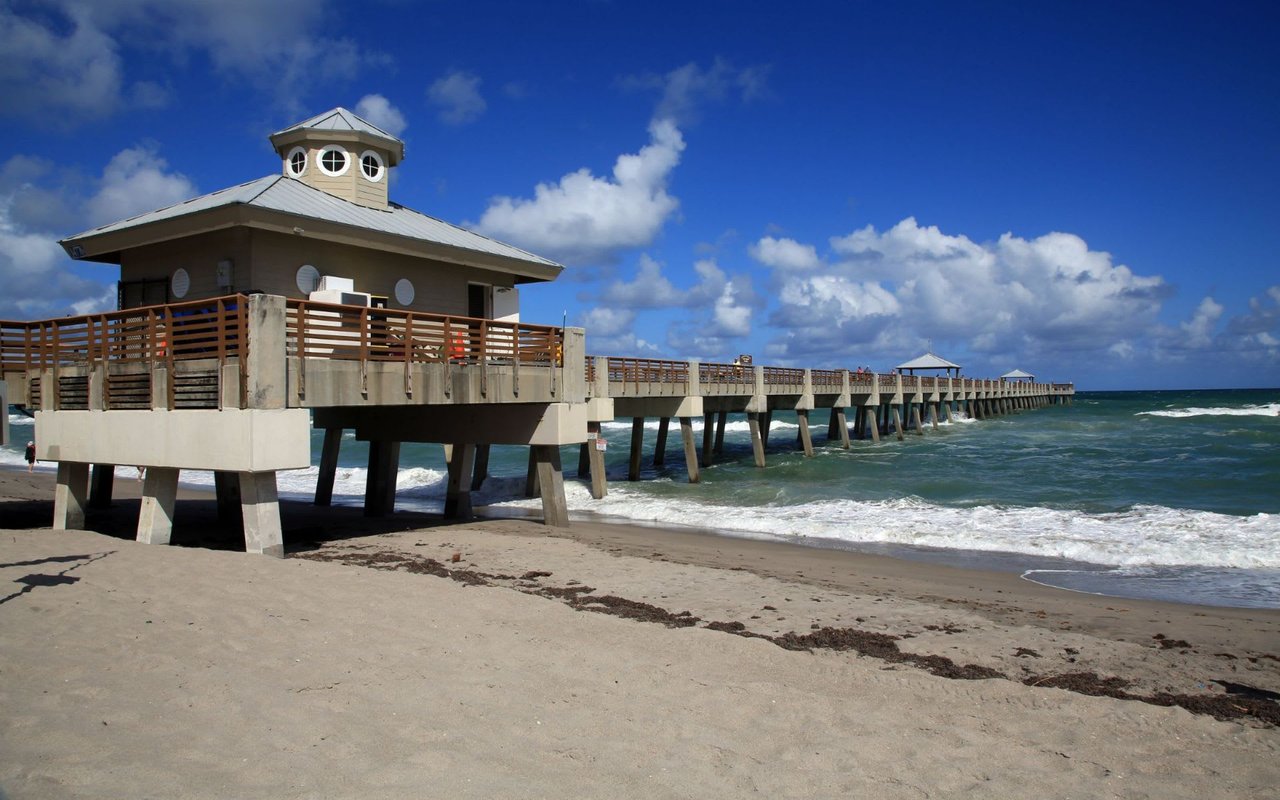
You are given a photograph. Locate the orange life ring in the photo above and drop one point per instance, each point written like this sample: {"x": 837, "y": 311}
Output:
{"x": 458, "y": 347}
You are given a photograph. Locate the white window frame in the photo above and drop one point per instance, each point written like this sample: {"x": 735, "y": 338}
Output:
{"x": 334, "y": 148}
{"x": 288, "y": 162}
{"x": 382, "y": 167}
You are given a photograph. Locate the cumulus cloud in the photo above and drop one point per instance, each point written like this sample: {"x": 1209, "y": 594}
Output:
{"x": 785, "y": 254}
{"x": 379, "y": 111}
{"x": 134, "y": 182}
{"x": 457, "y": 96}
{"x": 686, "y": 89}
{"x": 63, "y": 62}
{"x": 585, "y": 219}
{"x": 913, "y": 283}
{"x": 1198, "y": 331}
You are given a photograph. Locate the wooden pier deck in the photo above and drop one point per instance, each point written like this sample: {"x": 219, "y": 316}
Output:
{"x": 234, "y": 384}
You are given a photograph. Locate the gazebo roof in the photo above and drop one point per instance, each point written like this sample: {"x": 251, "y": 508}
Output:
{"x": 928, "y": 361}
{"x": 1017, "y": 373}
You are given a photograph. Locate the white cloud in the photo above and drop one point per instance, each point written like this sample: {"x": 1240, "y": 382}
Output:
{"x": 457, "y": 95}
{"x": 135, "y": 182}
{"x": 585, "y": 219}
{"x": 1199, "y": 329}
{"x": 66, "y": 63}
{"x": 687, "y": 88}
{"x": 379, "y": 111}
{"x": 1011, "y": 298}
{"x": 785, "y": 254}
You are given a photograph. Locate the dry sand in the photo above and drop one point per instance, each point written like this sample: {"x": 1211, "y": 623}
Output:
{"x": 371, "y": 663}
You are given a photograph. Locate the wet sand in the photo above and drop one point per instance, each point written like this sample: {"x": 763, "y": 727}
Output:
{"x": 409, "y": 657}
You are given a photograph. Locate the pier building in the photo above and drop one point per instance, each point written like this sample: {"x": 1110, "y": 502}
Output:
{"x": 308, "y": 298}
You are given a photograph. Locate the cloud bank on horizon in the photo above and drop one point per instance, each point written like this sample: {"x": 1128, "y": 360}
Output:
{"x": 657, "y": 264}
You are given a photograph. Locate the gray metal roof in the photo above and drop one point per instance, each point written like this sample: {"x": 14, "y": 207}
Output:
{"x": 928, "y": 361}
{"x": 291, "y": 196}
{"x": 1017, "y": 373}
{"x": 338, "y": 119}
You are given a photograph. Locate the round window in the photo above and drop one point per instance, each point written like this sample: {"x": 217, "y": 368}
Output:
{"x": 181, "y": 283}
{"x": 334, "y": 160}
{"x": 308, "y": 279}
{"x": 371, "y": 165}
{"x": 297, "y": 161}
{"x": 404, "y": 292}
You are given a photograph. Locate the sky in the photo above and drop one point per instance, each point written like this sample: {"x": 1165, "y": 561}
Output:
{"x": 1086, "y": 191}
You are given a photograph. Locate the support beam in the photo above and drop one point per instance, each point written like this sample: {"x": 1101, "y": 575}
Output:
{"x": 555, "y": 511}
{"x": 595, "y": 452}
{"x": 757, "y": 441}
{"x": 720, "y": 422}
{"x": 806, "y": 438}
{"x": 690, "y": 449}
{"x": 260, "y": 509}
{"x": 328, "y": 466}
{"x": 660, "y": 448}
{"x": 843, "y": 425}
{"x": 100, "y": 485}
{"x": 380, "y": 483}
{"x": 531, "y": 475}
{"x": 70, "y": 495}
{"x": 915, "y": 420}
{"x": 897, "y": 423}
{"x": 933, "y": 415}
{"x": 832, "y": 425}
{"x": 159, "y": 496}
{"x": 457, "y": 500}
{"x": 481, "y": 472}
{"x": 765, "y": 424}
{"x": 708, "y": 437}
{"x": 947, "y": 409}
{"x": 637, "y": 445}
{"x": 871, "y": 416}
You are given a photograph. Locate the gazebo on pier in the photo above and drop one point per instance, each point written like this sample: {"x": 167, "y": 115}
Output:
{"x": 1017, "y": 375}
{"x": 932, "y": 363}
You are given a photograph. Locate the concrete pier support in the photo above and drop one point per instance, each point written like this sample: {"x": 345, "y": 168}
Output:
{"x": 872, "y": 415}
{"x": 555, "y": 511}
{"x": 660, "y": 448}
{"x": 708, "y": 439}
{"x": 720, "y": 423}
{"x": 595, "y": 456}
{"x": 380, "y": 483}
{"x": 531, "y": 476}
{"x": 897, "y": 423}
{"x": 70, "y": 496}
{"x": 159, "y": 496}
{"x": 637, "y": 445}
{"x": 806, "y": 438}
{"x": 842, "y": 425}
{"x": 260, "y": 509}
{"x": 101, "y": 483}
{"x": 457, "y": 500}
{"x": 481, "y": 472}
{"x": 766, "y": 422}
{"x": 690, "y": 449}
{"x": 757, "y": 440}
{"x": 832, "y": 433}
{"x": 946, "y": 407}
{"x": 933, "y": 415}
{"x": 915, "y": 420}
{"x": 328, "y": 466}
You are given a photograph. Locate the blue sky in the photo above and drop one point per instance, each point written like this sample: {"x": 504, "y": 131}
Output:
{"x": 1087, "y": 191}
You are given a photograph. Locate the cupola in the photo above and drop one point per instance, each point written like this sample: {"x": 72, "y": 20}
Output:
{"x": 339, "y": 153}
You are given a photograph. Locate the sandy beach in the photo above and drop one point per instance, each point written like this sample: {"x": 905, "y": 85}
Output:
{"x": 405, "y": 657}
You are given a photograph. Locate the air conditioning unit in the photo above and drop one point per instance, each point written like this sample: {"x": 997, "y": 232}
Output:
{"x": 332, "y": 283}
{"x": 340, "y": 297}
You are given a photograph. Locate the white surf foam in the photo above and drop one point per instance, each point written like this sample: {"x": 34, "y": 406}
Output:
{"x": 1267, "y": 410}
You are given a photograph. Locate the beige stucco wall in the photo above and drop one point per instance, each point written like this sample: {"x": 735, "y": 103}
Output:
{"x": 198, "y": 255}
{"x": 232, "y": 440}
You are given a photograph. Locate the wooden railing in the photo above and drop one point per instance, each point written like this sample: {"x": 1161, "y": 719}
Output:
{"x": 713, "y": 374}
{"x": 327, "y": 330}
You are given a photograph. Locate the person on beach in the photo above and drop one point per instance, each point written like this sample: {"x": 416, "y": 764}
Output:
{"x": 31, "y": 456}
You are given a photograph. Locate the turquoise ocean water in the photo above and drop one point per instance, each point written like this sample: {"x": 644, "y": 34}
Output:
{"x": 1172, "y": 494}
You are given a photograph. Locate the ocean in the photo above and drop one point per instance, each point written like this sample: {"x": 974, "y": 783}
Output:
{"x": 1171, "y": 495}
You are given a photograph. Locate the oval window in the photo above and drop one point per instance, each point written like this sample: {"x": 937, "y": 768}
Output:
{"x": 404, "y": 292}
{"x": 308, "y": 279}
{"x": 181, "y": 283}
{"x": 334, "y": 160}
{"x": 371, "y": 165}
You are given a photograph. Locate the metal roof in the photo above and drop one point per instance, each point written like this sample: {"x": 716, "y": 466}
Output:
{"x": 1017, "y": 373}
{"x": 928, "y": 361}
{"x": 291, "y": 196}
{"x": 338, "y": 119}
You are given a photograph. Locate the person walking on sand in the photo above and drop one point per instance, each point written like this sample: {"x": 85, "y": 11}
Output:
{"x": 31, "y": 456}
